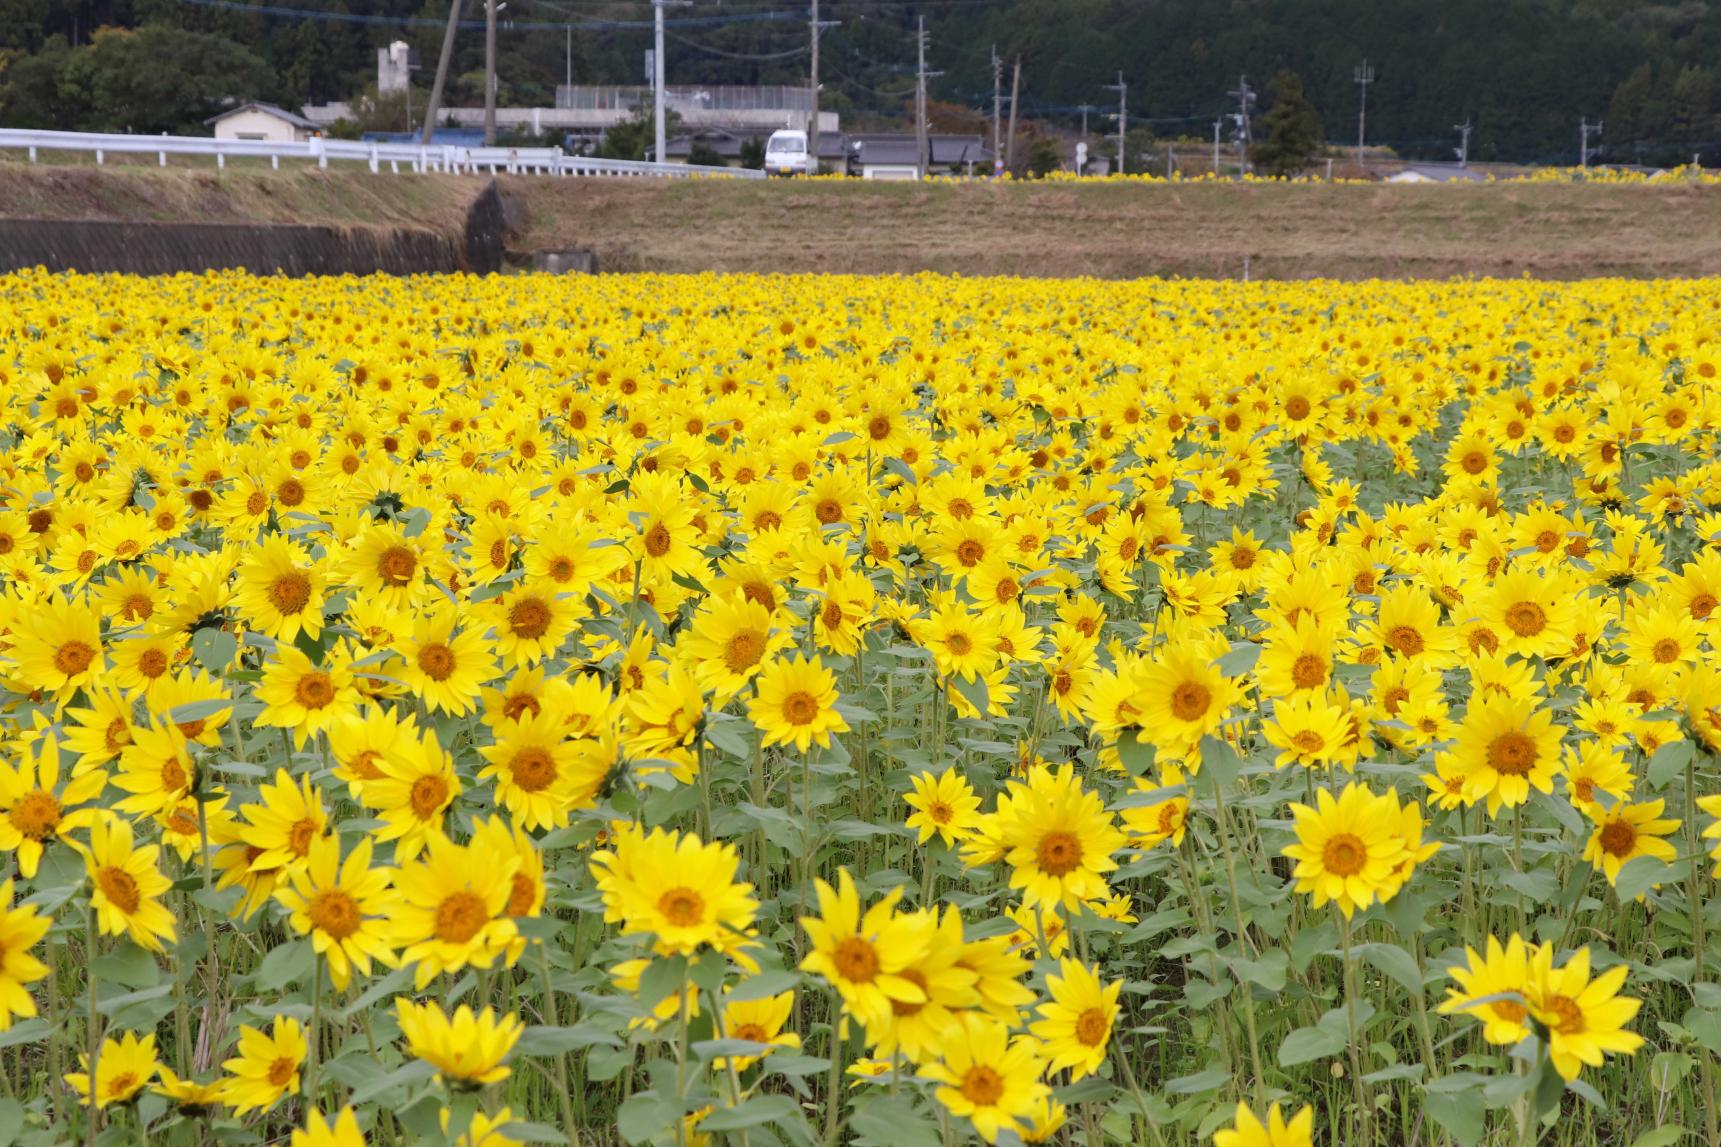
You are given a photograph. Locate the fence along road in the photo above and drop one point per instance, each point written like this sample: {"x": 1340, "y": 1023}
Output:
{"x": 396, "y": 156}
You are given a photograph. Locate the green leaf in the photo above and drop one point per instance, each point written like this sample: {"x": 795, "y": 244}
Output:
{"x": 1240, "y": 660}
{"x": 292, "y": 962}
{"x": 644, "y": 1115}
{"x": 1639, "y": 874}
{"x": 1136, "y": 754}
{"x": 758, "y": 987}
{"x": 417, "y": 1071}
{"x": 1395, "y": 962}
{"x": 902, "y": 470}
{"x": 1202, "y": 1081}
{"x": 1460, "y": 1114}
{"x": 1665, "y": 1136}
{"x": 751, "y": 1113}
{"x": 974, "y": 691}
{"x": 892, "y": 1121}
{"x": 1705, "y": 1025}
{"x": 214, "y": 648}
{"x": 11, "y": 1121}
{"x": 520, "y": 1131}
{"x": 27, "y": 1032}
{"x": 1668, "y": 762}
{"x": 1310, "y": 1043}
{"x": 545, "y": 1040}
{"x": 1269, "y": 971}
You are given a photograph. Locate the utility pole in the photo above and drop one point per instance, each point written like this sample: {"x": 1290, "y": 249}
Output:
{"x": 1364, "y": 76}
{"x": 1245, "y": 97}
{"x": 1010, "y": 140}
{"x": 489, "y": 73}
{"x": 920, "y": 99}
{"x": 1122, "y": 90}
{"x": 441, "y": 73}
{"x": 813, "y": 90}
{"x": 997, "y": 110}
{"x": 1585, "y": 130}
{"x": 1216, "y": 125}
{"x": 1463, "y": 130}
{"x": 568, "y": 54}
{"x": 658, "y": 143}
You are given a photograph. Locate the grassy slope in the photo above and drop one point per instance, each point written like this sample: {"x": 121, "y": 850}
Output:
{"x": 1113, "y": 230}
{"x": 1110, "y": 230}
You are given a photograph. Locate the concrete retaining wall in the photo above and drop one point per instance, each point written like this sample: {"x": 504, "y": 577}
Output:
{"x": 151, "y": 248}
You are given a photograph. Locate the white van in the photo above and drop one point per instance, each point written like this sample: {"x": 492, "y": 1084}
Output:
{"x": 786, "y": 153}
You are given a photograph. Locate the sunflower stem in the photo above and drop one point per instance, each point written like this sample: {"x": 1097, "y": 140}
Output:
{"x": 1705, "y": 1063}
{"x": 555, "y": 1020}
{"x": 313, "y": 1043}
{"x": 1247, "y": 987}
{"x": 834, "y": 1081}
{"x": 1353, "y": 1044}
{"x": 95, "y": 1032}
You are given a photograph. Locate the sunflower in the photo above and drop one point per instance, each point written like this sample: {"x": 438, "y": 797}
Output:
{"x": 1181, "y": 696}
{"x": 863, "y": 955}
{"x": 21, "y": 929}
{"x": 1348, "y": 849}
{"x": 758, "y": 1020}
{"x": 342, "y": 906}
{"x": 944, "y": 806}
{"x": 732, "y": 639}
{"x": 304, "y": 697}
{"x": 451, "y": 911}
{"x": 266, "y": 1066}
{"x": 1296, "y": 658}
{"x": 466, "y": 1049}
{"x": 1310, "y": 730}
{"x": 384, "y": 564}
{"x": 1507, "y": 746}
{"x": 541, "y": 777}
{"x": 1273, "y": 1131}
{"x": 124, "y": 1067}
{"x": 988, "y": 1078}
{"x": 57, "y": 646}
{"x": 126, "y": 885}
{"x": 156, "y": 768}
{"x": 1626, "y": 832}
{"x": 1075, "y": 1024}
{"x": 677, "y": 889}
{"x": 1595, "y": 767}
{"x": 795, "y": 703}
{"x": 36, "y": 808}
{"x": 444, "y": 669}
{"x": 1156, "y": 813}
{"x": 1060, "y": 839}
{"x": 281, "y": 590}
{"x": 415, "y": 784}
{"x": 1493, "y": 987}
{"x": 530, "y": 621}
{"x": 1534, "y": 614}
{"x": 916, "y": 1028}
{"x": 342, "y": 1131}
{"x": 191, "y": 1098}
{"x": 284, "y": 823}
{"x": 1585, "y": 1018}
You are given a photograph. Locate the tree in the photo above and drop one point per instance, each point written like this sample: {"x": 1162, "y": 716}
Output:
{"x": 702, "y": 154}
{"x": 157, "y": 79}
{"x": 1290, "y": 131}
{"x": 753, "y": 153}
{"x": 635, "y": 135}
{"x": 1693, "y": 96}
{"x": 1043, "y": 157}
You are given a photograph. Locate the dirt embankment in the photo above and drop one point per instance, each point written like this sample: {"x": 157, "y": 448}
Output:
{"x": 1109, "y": 230}
{"x": 1128, "y": 230}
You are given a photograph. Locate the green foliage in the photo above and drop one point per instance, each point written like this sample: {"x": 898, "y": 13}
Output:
{"x": 753, "y": 153}
{"x": 1291, "y": 130}
{"x": 633, "y": 137}
{"x": 704, "y": 155}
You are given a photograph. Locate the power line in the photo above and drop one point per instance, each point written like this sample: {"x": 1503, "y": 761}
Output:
{"x": 284, "y": 12}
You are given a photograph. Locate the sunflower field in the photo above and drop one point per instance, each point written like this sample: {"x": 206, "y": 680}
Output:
{"x": 894, "y": 712}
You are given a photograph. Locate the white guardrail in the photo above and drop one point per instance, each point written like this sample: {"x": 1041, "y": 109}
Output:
{"x": 395, "y": 156}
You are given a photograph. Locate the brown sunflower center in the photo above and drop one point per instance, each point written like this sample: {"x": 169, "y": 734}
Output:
{"x": 1344, "y": 854}
{"x": 1058, "y": 853}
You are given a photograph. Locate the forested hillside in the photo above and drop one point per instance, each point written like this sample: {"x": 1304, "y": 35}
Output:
{"x": 1523, "y": 71}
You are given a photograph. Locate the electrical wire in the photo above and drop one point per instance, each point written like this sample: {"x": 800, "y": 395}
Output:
{"x": 512, "y": 25}
{"x": 788, "y": 54}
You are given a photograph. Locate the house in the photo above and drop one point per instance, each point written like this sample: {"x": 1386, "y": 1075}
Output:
{"x": 256, "y": 120}
{"x": 895, "y": 156}
{"x": 1435, "y": 173}
{"x": 833, "y": 147}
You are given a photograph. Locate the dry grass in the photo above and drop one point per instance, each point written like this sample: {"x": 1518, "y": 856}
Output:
{"x": 1127, "y": 230}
